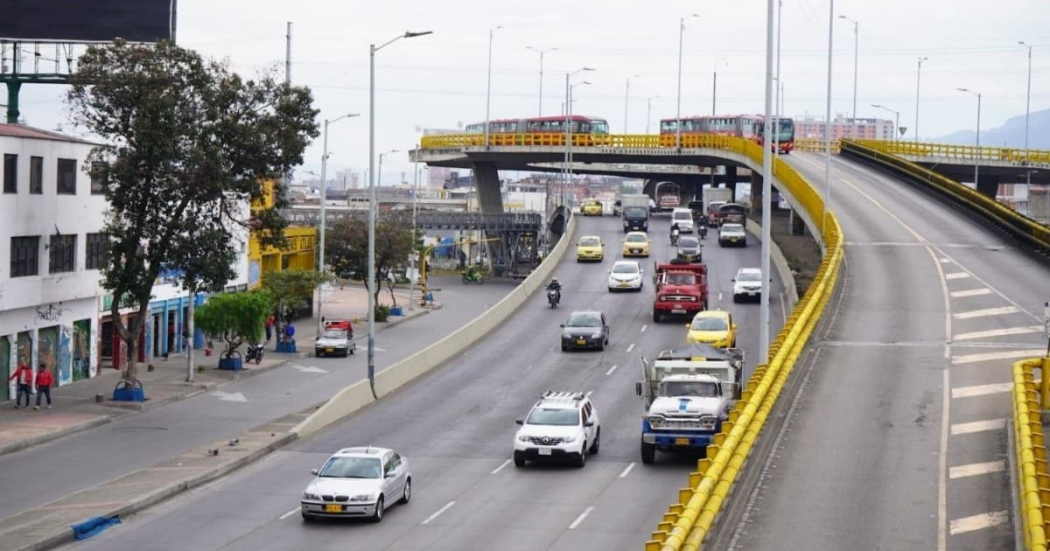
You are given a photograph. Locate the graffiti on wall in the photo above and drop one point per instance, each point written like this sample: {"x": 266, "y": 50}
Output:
{"x": 47, "y": 349}
{"x": 65, "y": 355}
{"x": 24, "y": 352}
{"x": 81, "y": 349}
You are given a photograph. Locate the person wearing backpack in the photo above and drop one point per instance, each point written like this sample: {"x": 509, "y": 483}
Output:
{"x": 43, "y": 386}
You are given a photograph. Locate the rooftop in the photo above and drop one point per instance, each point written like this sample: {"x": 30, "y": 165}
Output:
{"x": 23, "y": 131}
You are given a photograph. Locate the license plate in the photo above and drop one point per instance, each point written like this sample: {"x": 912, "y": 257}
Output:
{"x": 332, "y": 508}
{"x": 677, "y": 311}
{"x": 581, "y": 341}
{"x": 681, "y": 441}
{"x": 329, "y": 350}
{"x": 624, "y": 285}
{"x": 733, "y": 239}
{"x": 545, "y": 451}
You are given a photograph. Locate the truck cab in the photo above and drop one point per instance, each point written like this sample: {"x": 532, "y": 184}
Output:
{"x": 681, "y": 289}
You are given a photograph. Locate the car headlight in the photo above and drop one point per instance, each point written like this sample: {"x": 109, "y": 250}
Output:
{"x": 523, "y": 438}
{"x": 361, "y": 497}
{"x": 568, "y": 439}
{"x": 656, "y": 422}
{"x": 311, "y": 497}
{"x": 597, "y": 335}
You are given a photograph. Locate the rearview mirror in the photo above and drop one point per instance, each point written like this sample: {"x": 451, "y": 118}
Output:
{"x": 563, "y": 325}
{"x": 589, "y": 424}
{"x": 389, "y": 474}
{"x": 520, "y": 422}
{"x": 638, "y": 388}
{"x": 314, "y": 472}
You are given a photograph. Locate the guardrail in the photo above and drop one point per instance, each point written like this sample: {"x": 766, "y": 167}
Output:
{"x": 815, "y": 146}
{"x": 959, "y": 152}
{"x": 1033, "y": 481}
{"x": 1029, "y": 232}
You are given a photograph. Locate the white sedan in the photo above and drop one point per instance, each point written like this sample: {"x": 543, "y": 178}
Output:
{"x": 747, "y": 284}
{"x": 357, "y": 482}
{"x": 625, "y": 274}
{"x": 732, "y": 234}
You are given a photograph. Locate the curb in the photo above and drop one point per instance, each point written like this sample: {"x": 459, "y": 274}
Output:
{"x": 44, "y": 438}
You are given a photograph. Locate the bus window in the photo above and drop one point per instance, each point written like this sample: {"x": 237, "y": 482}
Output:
{"x": 599, "y": 126}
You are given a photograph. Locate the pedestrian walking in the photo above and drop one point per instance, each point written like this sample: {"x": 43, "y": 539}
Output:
{"x": 25, "y": 378}
{"x": 269, "y": 327}
{"x": 43, "y": 385}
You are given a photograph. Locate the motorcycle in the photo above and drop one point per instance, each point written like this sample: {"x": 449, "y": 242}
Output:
{"x": 703, "y": 231}
{"x": 472, "y": 277}
{"x": 674, "y": 237}
{"x": 553, "y": 297}
{"x": 255, "y": 352}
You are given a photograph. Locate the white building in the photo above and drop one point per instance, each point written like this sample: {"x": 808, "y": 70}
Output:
{"x": 50, "y": 250}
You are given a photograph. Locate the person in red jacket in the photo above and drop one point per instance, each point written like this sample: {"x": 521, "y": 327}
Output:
{"x": 25, "y": 378}
{"x": 43, "y": 386}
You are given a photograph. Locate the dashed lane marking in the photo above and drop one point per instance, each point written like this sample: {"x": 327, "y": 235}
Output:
{"x": 997, "y": 333}
{"x": 978, "y": 522}
{"x": 580, "y": 518}
{"x": 611, "y": 369}
{"x": 438, "y": 512}
{"x": 971, "y": 293}
{"x": 985, "y": 312}
{"x": 589, "y": 392}
{"x": 288, "y": 514}
{"x": 945, "y": 260}
{"x": 981, "y": 390}
{"x": 644, "y": 326}
{"x": 630, "y": 348}
{"x": 975, "y": 469}
{"x": 500, "y": 468}
{"x": 978, "y": 426}
{"x": 627, "y": 470}
{"x": 988, "y": 356}
{"x": 956, "y": 275}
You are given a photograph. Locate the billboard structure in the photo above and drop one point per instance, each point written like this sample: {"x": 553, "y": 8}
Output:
{"x": 30, "y": 30}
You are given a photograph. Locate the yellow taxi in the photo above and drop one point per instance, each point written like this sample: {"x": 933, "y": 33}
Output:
{"x": 714, "y": 327}
{"x": 590, "y": 247}
{"x": 592, "y": 208}
{"x": 636, "y": 243}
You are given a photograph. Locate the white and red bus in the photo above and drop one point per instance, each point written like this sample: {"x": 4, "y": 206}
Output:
{"x": 542, "y": 125}
{"x": 749, "y": 127}
{"x": 783, "y": 126}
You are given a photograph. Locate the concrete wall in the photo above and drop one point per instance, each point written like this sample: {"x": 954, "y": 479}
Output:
{"x": 358, "y": 395}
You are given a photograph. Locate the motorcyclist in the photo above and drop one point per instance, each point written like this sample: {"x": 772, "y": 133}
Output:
{"x": 471, "y": 272}
{"x": 674, "y": 233}
{"x": 703, "y": 231}
{"x": 554, "y": 285}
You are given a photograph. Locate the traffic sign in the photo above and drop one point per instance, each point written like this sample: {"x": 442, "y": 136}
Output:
{"x": 902, "y": 129}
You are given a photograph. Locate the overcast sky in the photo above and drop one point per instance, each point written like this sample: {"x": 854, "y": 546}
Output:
{"x": 438, "y": 81}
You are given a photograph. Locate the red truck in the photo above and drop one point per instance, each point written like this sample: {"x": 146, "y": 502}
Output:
{"x": 681, "y": 289}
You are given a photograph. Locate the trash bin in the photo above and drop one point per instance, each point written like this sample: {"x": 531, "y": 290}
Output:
{"x": 129, "y": 391}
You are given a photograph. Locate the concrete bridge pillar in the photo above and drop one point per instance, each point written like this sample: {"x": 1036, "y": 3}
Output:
{"x": 731, "y": 179}
{"x": 756, "y": 192}
{"x": 988, "y": 185}
{"x": 489, "y": 196}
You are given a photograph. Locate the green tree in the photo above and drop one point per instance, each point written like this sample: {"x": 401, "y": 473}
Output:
{"x": 346, "y": 248}
{"x": 188, "y": 143}
{"x": 237, "y": 317}
{"x": 291, "y": 289}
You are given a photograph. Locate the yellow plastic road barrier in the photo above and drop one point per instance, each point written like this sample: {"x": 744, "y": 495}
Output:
{"x": 1033, "y": 481}
{"x": 960, "y": 152}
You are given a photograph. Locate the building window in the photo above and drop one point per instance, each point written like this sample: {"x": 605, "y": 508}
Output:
{"x": 67, "y": 177}
{"x": 10, "y": 173}
{"x": 63, "y": 254}
{"x": 98, "y": 185}
{"x": 96, "y": 251}
{"x": 25, "y": 256}
{"x": 36, "y": 175}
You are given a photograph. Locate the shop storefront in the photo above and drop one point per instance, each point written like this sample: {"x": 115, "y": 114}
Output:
{"x": 57, "y": 335}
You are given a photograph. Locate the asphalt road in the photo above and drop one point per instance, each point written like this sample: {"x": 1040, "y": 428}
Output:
{"x": 456, "y": 426}
{"x": 897, "y": 440}
{"x": 106, "y": 452}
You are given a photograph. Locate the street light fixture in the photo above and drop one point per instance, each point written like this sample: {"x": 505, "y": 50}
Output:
{"x": 897, "y": 125}
{"x": 918, "y": 80}
{"x": 372, "y": 49}
{"x": 324, "y": 223}
{"x": 856, "y": 27}
{"x": 1027, "y": 106}
{"x": 379, "y": 175}
{"x": 541, "y": 52}
{"x": 977, "y": 151}
{"x": 776, "y": 98}
{"x": 678, "y": 111}
{"x": 626, "y": 99}
{"x": 488, "y": 86}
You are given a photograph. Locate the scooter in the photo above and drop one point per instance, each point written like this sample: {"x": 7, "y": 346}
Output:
{"x": 255, "y": 352}
{"x": 553, "y": 297}
{"x": 472, "y": 277}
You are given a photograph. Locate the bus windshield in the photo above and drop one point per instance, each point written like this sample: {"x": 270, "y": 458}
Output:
{"x": 599, "y": 126}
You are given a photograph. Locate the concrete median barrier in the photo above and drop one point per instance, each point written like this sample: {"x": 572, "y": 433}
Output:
{"x": 358, "y": 395}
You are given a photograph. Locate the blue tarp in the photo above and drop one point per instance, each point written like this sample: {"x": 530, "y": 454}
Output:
{"x": 92, "y": 527}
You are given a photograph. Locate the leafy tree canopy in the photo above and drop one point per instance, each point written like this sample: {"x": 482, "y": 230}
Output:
{"x": 238, "y": 317}
{"x": 346, "y": 248}
{"x": 292, "y": 288}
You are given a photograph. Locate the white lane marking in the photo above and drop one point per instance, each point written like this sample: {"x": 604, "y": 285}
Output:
{"x": 945, "y": 260}
{"x": 985, "y": 312}
{"x": 611, "y": 369}
{"x": 308, "y": 369}
{"x": 627, "y": 470}
{"x": 630, "y": 348}
{"x": 978, "y": 522}
{"x": 956, "y": 275}
{"x": 644, "y": 326}
{"x": 589, "y": 392}
{"x": 997, "y": 333}
{"x": 229, "y": 396}
{"x": 289, "y": 513}
{"x": 719, "y": 297}
{"x": 978, "y": 426}
{"x": 971, "y": 293}
{"x": 500, "y": 468}
{"x": 580, "y": 518}
{"x": 981, "y": 390}
{"x": 988, "y": 356}
{"x": 975, "y": 469}
{"x": 439, "y": 511}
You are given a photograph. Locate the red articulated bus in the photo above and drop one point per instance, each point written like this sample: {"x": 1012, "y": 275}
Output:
{"x": 542, "y": 125}
{"x": 783, "y": 126}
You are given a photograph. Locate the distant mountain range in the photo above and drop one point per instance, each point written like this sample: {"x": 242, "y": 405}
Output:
{"x": 1010, "y": 134}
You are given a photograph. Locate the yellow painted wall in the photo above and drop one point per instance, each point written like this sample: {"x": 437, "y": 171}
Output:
{"x": 300, "y": 252}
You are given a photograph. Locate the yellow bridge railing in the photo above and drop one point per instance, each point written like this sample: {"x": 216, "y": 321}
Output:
{"x": 1033, "y": 480}
{"x": 959, "y": 152}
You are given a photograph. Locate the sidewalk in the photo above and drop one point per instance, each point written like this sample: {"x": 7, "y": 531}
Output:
{"x": 77, "y": 406}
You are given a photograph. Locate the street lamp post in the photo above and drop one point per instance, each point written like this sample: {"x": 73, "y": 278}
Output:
{"x": 977, "y": 150}
{"x": 324, "y": 222}
{"x": 372, "y": 49}
{"x": 918, "y": 81}
{"x": 856, "y": 36}
{"x": 488, "y": 87}
{"x": 1027, "y": 108}
{"x": 897, "y": 116}
{"x": 568, "y": 129}
{"x": 776, "y": 101}
{"x": 379, "y": 175}
{"x": 626, "y": 100}
{"x": 649, "y": 111}
{"x": 541, "y": 52}
{"x": 827, "y": 121}
{"x": 767, "y": 192}
{"x": 678, "y": 111}
{"x": 714, "y": 84}
{"x": 415, "y": 207}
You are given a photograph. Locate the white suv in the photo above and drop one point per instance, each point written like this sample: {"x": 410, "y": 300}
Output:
{"x": 560, "y": 426}
{"x": 684, "y": 219}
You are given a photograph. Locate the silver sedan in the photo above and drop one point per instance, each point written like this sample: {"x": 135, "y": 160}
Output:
{"x": 357, "y": 482}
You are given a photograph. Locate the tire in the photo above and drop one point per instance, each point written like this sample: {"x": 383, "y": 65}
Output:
{"x": 377, "y": 516}
{"x": 657, "y": 316}
{"x": 601, "y": 345}
{"x": 736, "y": 299}
{"x": 407, "y": 495}
{"x": 648, "y": 453}
{"x": 597, "y": 442}
{"x": 519, "y": 459}
{"x": 581, "y": 461}
{"x": 352, "y": 349}
{"x": 318, "y": 353}
{"x": 564, "y": 348}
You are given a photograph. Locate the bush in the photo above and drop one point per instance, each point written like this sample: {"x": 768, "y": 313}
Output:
{"x": 382, "y": 312}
